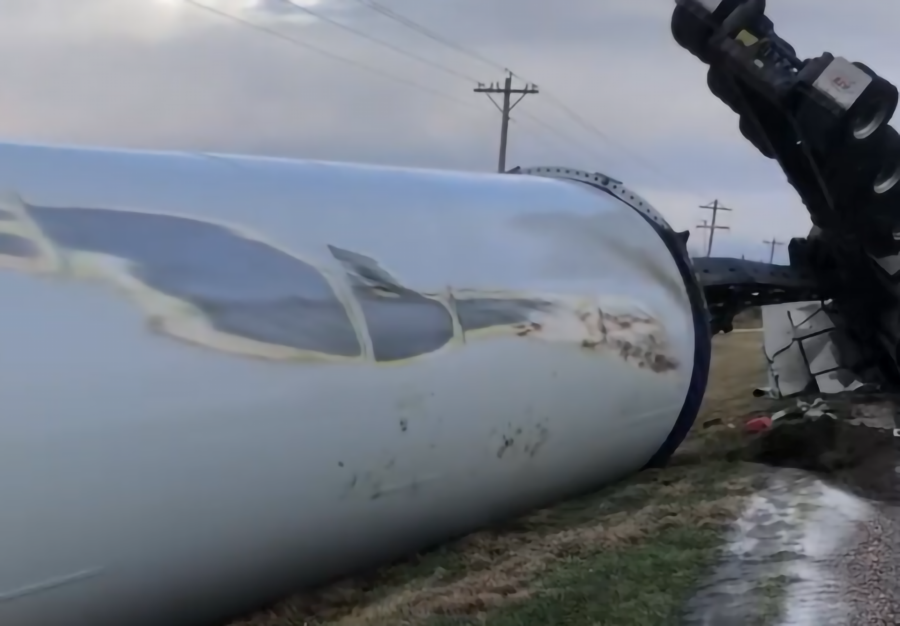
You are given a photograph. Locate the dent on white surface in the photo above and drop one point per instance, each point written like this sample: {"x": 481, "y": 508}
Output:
{"x": 605, "y": 324}
{"x": 69, "y": 246}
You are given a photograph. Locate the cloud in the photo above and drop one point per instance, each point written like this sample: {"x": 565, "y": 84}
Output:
{"x": 162, "y": 74}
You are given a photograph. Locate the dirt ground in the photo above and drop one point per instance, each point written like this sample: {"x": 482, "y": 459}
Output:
{"x": 627, "y": 556}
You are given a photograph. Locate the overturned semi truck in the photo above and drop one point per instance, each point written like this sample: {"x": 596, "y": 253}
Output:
{"x": 832, "y": 317}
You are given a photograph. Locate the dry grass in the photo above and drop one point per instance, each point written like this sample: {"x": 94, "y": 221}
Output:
{"x": 629, "y": 555}
{"x": 749, "y": 318}
{"x": 738, "y": 367}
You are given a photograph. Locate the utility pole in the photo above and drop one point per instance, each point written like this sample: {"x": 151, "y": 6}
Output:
{"x": 715, "y": 207}
{"x": 772, "y": 245}
{"x": 703, "y": 226}
{"x": 507, "y": 91}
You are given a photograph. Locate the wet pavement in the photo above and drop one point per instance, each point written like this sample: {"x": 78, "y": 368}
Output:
{"x": 817, "y": 544}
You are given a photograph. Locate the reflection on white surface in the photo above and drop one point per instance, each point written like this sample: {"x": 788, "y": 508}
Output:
{"x": 243, "y": 5}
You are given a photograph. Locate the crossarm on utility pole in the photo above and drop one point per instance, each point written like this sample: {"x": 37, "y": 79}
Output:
{"x": 507, "y": 91}
{"x": 774, "y": 242}
{"x": 715, "y": 207}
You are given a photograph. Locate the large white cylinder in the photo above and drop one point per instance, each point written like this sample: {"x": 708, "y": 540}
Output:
{"x": 225, "y": 378}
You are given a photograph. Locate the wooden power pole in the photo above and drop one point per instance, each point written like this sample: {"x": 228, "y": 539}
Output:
{"x": 774, "y": 242}
{"x": 703, "y": 225}
{"x": 507, "y": 91}
{"x": 715, "y": 207}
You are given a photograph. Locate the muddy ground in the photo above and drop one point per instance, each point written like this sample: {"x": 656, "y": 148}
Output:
{"x": 855, "y": 450}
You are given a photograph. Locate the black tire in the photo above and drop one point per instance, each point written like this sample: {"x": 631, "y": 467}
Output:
{"x": 690, "y": 32}
{"x": 752, "y": 134}
{"x": 721, "y": 86}
{"x": 880, "y": 95}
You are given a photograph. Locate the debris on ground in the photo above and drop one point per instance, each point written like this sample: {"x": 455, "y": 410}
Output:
{"x": 758, "y": 424}
{"x": 847, "y": 440}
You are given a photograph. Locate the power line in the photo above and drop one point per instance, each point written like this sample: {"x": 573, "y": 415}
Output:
{"x": 715, "y": 207}
{"x": 544, "y": 140}
{"x": 562, "y": 136}
{"x": 558, "y": 134}
{"x": 430, "y": 34}
{"x": 578, "y": 119}
{"x": 331, "y": 55}
{"x": 635, "y": 156}
{"x": 421, "y": 29}
{"x": 774, "y": 242}
{"x": 507, "y": 92}
{"x": 568, "y": 111}
{"x": 380, "y": 42}
{"x": 374, "y": 70}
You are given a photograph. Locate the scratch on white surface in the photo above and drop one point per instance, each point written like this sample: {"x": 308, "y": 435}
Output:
{"x": 51, "y": 583}
{"x": 607, "y": 323}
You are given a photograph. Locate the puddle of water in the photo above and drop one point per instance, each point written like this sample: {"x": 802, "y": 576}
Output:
{"x": 777, "y": 566}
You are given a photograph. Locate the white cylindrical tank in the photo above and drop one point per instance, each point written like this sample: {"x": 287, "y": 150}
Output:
{"x": 226, "y": 378}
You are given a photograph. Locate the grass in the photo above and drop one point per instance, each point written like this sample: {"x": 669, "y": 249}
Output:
{"x": 749, "y": 318}
{"x": 629, "y": 555}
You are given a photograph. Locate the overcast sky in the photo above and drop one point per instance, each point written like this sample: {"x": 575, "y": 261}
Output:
{"x": 163, "y": 74}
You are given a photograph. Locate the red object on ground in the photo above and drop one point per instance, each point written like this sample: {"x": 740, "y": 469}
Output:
{"x": 758, "y": 424}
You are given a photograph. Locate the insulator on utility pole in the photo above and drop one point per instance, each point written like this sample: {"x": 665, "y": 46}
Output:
{"x": 507, "y": 91}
